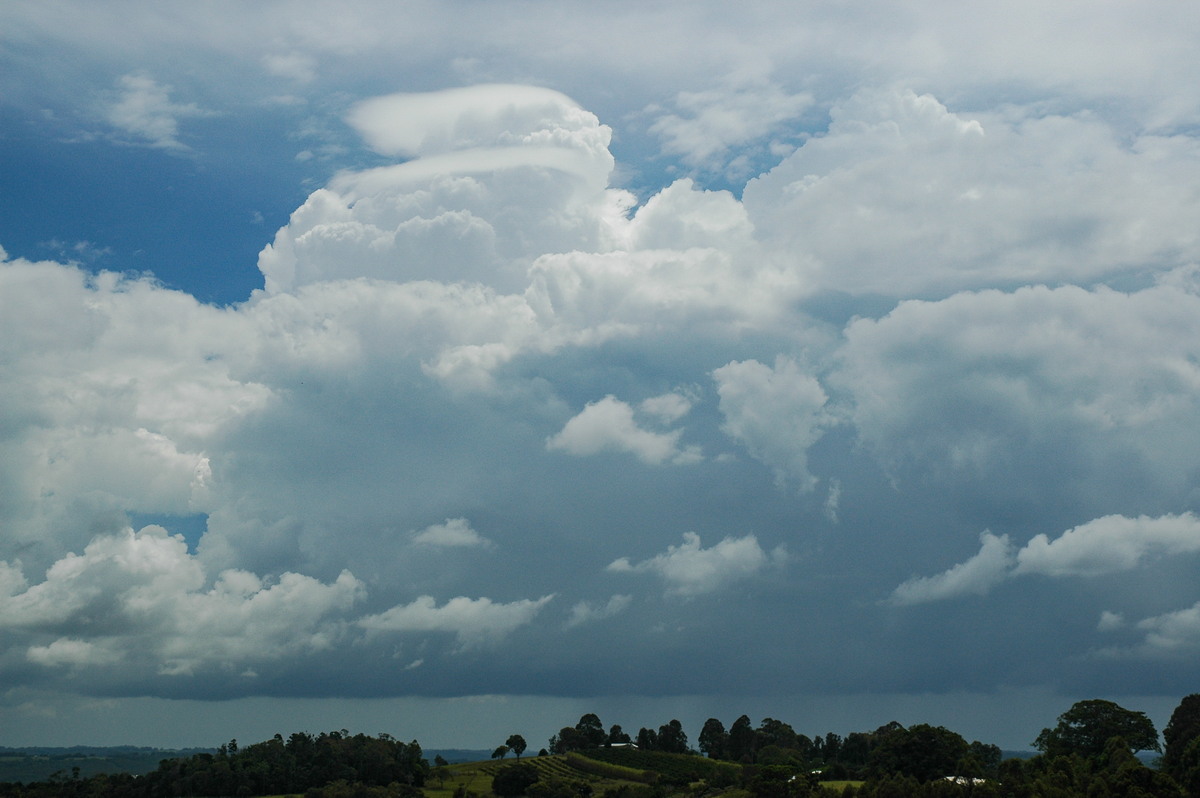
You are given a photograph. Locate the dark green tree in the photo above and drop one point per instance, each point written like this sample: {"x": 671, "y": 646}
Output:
{"x": 923, "y": 752}
{"x": 514, "y": 780}
{"x": 1188, "y": 768}
{"x": 516, "y": 744}
{"x": 713, "y": 739}
{"x": 775, "y": 732}
{"x": 567, "y": 739}
{"x": 591, "y": 730}
{"x": 500, "y": 752}
{"x": 1181, "y": 729}
{"x": 617, "y": 736}
{"x": 741, "y": 740}
{"x": 671, "y": 738}
{"x": 1087, "y": 726}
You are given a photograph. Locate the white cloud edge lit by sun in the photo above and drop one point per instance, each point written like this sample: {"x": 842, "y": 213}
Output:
{"x": 609, "y": 425}
{"x": 474, "y": 622}
{"x": 691, "y": 570}
{"x": 100, "y": 607}
{"x": 454, "y": 533}
{"x": 1105, "y": 545}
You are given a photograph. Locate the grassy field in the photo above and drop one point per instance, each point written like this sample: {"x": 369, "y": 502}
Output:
{"x": 608, "y": 770}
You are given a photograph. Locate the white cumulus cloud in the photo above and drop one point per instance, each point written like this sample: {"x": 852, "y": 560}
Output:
{"x": 609, "y": 425}
{"x": 139, "y": 599}
{"x": 456, "y": 532}
{"x": 143, "y": 108}
{"x": 1106, "y": 545}
{"x": 777, "y": 413}
{"x": 689, "y": 569}
{"x": 474, "y": 622}
{"x": 1110, "y": 544}
{"x": 978, "y": 575}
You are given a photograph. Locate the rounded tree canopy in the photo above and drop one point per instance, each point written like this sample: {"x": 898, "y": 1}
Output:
{"x": 1087, "y": 727}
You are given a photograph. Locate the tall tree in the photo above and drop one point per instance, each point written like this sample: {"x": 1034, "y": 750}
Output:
{"x": 713, "y": 739}
{"x": 516, "y": 744}
{"x": 1087, "y": 726}
{"x": 671, "y": 738}
{"x": 591, "y": 730}
{"x": 741, "y": 740}
{"x": 618, "y": 736}
{"x": 1181, "y": 729}
{"x": 775, "y": 732}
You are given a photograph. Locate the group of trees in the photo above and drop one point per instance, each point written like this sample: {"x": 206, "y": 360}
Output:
{"x": 1090, "y": 751}
{"x": 589, "y": 733}
{"x": 327, "y": 764}
{"x": 917, "y": 751}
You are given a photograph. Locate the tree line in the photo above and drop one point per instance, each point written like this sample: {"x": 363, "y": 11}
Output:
{"x": 1089, "y": 752}
{"x": 327, "y": 765}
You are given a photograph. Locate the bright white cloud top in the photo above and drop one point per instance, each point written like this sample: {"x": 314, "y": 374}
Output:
{"x": 362, "y": 363}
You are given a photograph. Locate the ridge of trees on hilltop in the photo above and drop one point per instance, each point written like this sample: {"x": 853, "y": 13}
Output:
{"x": 1089, "y": 753}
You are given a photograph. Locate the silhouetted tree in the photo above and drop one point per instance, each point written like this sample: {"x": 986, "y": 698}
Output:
{"x": 516, "y": 744}
{"x": 713, "y": 739}
{"x": 1087, "y": 726}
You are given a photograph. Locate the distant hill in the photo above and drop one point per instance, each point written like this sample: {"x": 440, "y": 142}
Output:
{"x": 456, "y": 756}
{"x": 40, "y": 763}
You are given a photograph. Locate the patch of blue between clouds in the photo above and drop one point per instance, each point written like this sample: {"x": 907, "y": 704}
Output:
{"x": 192, "y": 527}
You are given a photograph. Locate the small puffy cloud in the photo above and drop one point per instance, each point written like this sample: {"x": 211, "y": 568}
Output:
{"x": 456, "y": 532}
{"x": 1172, "y": 632}
{"x": 69, "y": 652}
{"x": 776, "y": 413}
{"x": 143, "y": 109}
{"x": 474, "y": 622}
{"x": 1110, "y": 544}
{"x": 691, "y": 570}
{"x": 978, "y": 575}
{"x": 668, "y": 408}
{"x": 587, "y": 612}
{"x": 608, "y": 425}
{"x": 1110, "y": 621}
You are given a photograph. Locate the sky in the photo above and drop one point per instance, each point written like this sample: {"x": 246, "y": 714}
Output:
{"x": 454, "y": 369}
